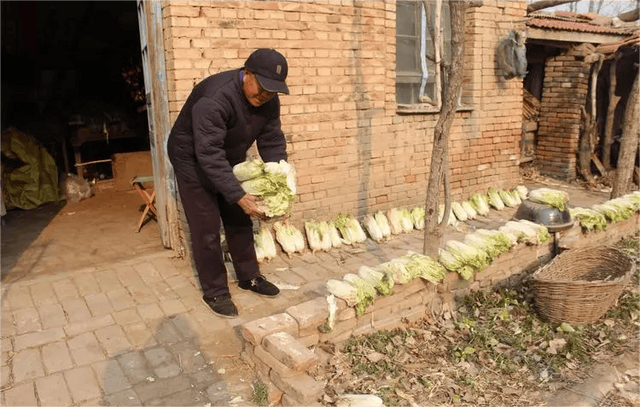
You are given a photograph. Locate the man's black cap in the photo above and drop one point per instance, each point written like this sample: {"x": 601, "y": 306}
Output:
{"x": 270, "y": 68}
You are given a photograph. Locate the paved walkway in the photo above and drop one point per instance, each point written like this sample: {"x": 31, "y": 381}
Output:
{"x": 136, "y": 332}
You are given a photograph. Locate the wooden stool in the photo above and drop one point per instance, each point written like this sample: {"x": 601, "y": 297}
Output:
{"x": 150, "y": 208}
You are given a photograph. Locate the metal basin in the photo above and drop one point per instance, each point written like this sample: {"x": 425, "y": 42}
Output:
{"x": 554, "y": 219}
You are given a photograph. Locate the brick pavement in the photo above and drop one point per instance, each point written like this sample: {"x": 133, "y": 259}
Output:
{"x": 137, "y": 333}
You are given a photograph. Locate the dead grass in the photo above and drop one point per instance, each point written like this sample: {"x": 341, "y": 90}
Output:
{"x": 494, "y": 351}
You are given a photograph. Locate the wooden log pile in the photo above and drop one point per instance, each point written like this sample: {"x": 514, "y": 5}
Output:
{"x": 530, "y": 107}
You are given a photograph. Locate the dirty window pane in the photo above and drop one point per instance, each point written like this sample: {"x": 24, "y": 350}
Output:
{"x": 415, "y": 50}
{"x": 408, "y": 59}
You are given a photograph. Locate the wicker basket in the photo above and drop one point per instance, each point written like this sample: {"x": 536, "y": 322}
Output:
{"x": 580, "y": 285}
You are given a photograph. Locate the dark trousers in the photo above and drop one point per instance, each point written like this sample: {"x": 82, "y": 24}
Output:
{"x": 204, "y": 210}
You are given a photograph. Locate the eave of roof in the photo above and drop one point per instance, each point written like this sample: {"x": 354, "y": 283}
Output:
{"x": 578, "y": 28}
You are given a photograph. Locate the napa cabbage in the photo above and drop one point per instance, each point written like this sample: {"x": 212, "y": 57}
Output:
{"x": 248, "y": 170}
{"x": 495, "y": 200}
{"x": 350, "y": 229}
{"x": 264, "y": 244}
{"x": 471, "y": 213}
{"x": 589, "y": 219}
{"x": 417, "y": 216}
{"x": 480, "y": 202}
{"x": 343, "y": 290}
{"x": 459, "y": 211}
{"x": 551, "y": 197}
{"x": 373, "y": 228}
{"x": 383, "y": 282}
{"x": 383, "y": 223}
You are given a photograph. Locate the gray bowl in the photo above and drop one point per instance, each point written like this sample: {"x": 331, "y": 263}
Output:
{"x": 554, "y": 219}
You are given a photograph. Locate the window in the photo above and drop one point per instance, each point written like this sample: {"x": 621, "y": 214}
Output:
{"x": 419, "y": 79}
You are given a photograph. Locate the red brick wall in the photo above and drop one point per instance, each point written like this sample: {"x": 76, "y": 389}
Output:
{"x": 566, "y": 82}
{"x": 352, "y": 151}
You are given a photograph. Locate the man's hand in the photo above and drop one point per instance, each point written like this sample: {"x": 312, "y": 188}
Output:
{"x": 249, "y": 204}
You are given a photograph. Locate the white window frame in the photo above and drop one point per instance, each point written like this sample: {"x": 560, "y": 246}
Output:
{"x": 435, "y": 105}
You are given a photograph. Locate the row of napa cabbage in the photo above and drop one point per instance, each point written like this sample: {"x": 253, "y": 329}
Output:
{"x": 612, "y": 211}
{"x": 360, "y": 290}
{"x": 325, "y": 235}
{"x": 473, "y": 254}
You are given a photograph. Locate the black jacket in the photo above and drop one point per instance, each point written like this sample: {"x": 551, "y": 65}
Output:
{"x": 216, "y": 127}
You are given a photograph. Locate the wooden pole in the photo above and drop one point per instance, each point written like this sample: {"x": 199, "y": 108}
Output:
{"x": 437, "y": 47}
{"x": 539, "y": 5}
{"x": 628, "y": 145}
{"x": 611, "y": 109}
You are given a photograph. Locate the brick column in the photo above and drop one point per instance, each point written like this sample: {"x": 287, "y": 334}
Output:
{"x": 566, "y": 82}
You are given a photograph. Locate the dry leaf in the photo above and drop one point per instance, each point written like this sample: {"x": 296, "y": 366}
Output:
{"x": 375, "y": 357}
{"x": 555, "y": 345}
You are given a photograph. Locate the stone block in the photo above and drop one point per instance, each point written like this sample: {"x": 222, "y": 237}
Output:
{"x": 23, "y": 394}
{"x": 269, "y": 360}
{"x": 255, "y": 330}
{"x": 27, "y": 365}
{"x": 346, "y": 314}
{"x": 382, "y": 312}
{"x": 415, "y": 313}
{"x": 55, "y": 357}
{"x": 288, "y": 401}
{"x": 310, "y": 340}
{"x": 82, "y": 384}
{"x": 386, "y": 300}
{"x": 274, "y": 394}
{"x": 411, "y": 287}
{"x": 260, "y": 366}
{"x": 388, "y": 324}
{"x": 303, "y": 389}
{"x": 289, "y": 351}
{"x": 34, "y": 339}
{"x": 411, "y": 301}
{"x": 337, "y": 337}
{"x": 147, "y": 391}
{"x": 310, "y": 314}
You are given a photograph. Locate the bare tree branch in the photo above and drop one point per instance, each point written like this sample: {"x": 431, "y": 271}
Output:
{"x": 539, "y": 5}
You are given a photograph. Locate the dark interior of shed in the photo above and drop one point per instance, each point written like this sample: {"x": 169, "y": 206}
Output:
{"x": 72, "y": 79}
{"x": 539, "y": 51}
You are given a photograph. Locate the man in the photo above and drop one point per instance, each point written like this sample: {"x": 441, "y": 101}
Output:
{"x": 222, "y": 117}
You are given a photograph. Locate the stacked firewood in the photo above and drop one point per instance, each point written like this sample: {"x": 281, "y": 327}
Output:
{"x": 530, "y": 107}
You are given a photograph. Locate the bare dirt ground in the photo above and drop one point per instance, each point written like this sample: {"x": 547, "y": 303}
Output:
{"x": 494, "y": 350}
{"x": 59, "y": 236}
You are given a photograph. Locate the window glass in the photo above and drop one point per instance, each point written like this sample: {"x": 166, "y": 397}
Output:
{"x": 416, "y": 73}
{"x": 408, "y": 59}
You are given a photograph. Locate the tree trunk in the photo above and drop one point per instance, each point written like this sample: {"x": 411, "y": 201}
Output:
{"x": 628, "y": 145}
{"x": 590, "y": 129}
{"x": 630, "y": 16}
{"x": 439, "y": 170}
{"x": 586, "y": 146}
{"x": 539, "y": 5}
{"x": 611, "y": 109}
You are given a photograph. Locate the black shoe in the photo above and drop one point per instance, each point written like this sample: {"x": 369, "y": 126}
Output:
{"x": 222, "y": 306}
{"x": 261, "y": 286}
